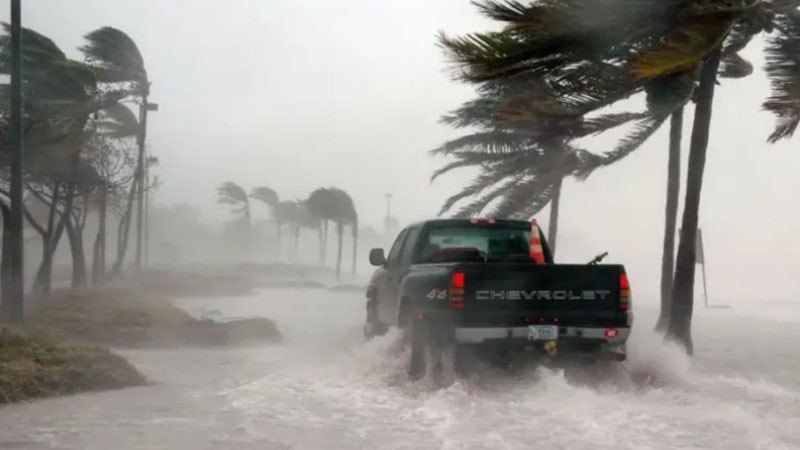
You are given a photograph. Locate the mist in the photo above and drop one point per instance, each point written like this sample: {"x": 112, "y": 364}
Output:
{"x": 302, "y": 95}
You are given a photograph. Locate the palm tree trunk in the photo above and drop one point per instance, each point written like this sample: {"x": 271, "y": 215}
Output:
{"x": 296, "y": 247}
{"x": 670, "y": 217}
{"x": 555, "y": 204}
{"x": 41, "y": 284}
{"x": 75, "y": 237}
{"x": 5, "y": 260}
{"x": 323, "y": 250}
{"x": 321, "y": 241}
{"x": 99, "y": 252}
{"x": 340, "y": 232}
{"x": 680, "y": 323}
{"x": 279, "y": 233}
{"x": 124, "y": 229}
{"x": 44, "y": 276}
{"x": 140, "y": 174}
{"x": 355, "y": 247}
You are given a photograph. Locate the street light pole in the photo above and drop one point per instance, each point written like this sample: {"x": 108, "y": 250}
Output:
{"x": 144, "y": 107}
{"x": 12, "y": 303}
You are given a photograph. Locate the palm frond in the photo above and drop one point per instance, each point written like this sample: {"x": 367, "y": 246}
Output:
{"x": 783, "y": 71}
{"x": 504, "y": 11}
{"x": 489, "y": 176}
{"x": 265, "y": 195}
{"x": 479, "y": 204}
{"x": 118, "y": 121}
{"x": 640, "y": 134}
{"x": 116, "y": 57}
{"x": 495, "y": 141}
{"x": 526, "y": 197}
{"x": 605, "y": 122}
{"x": 484, "y": 56}
{"x": 734, "y": 66}
{"x": 693, "y": 39}
{"x": 231, "y": 193}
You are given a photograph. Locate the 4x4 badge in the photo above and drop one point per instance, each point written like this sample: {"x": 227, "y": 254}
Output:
{"x": 437, "y": 294}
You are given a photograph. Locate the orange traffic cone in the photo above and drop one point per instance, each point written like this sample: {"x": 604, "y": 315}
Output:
{"x": 536, "y": 251}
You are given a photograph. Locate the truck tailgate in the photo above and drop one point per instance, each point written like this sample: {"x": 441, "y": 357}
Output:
{"x": 521, "y": 294}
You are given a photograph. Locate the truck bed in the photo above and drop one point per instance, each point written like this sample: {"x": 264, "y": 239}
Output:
{"x": 521, "y": 294}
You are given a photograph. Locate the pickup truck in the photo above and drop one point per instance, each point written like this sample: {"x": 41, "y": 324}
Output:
{"x": 493, "y": 284}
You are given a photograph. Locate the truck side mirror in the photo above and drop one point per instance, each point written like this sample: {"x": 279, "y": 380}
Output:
{"x": 376, "y": 257}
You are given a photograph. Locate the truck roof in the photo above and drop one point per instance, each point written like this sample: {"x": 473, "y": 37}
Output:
{"x": 445, "y": 222}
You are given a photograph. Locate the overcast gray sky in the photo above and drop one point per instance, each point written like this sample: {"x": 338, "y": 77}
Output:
{"x": 297, "y": 94}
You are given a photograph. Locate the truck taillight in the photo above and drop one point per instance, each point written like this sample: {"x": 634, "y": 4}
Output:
{"x": 482, "y": 221}
{"x": 624, "y": 292}
{"x": 456, "y": 290}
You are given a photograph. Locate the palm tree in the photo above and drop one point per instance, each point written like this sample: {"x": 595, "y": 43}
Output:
{"x": 116, "y": 59}
{"x": 61, "y": 97}
{"x": 286, "y": 213}
{"x": 298, "y": 216}
{"x": 232, "y": 194}
{"x": 783, "y": 69}
{"x": 333, "y": 204}
{"x": 670, "y": 217}
{"x": 345, "y": 215}
{"x": 117, "y": 122}
{"x": 320, "y": 203}
{"x": 523, "y": 150}
{"x": 270, "y": 198}
{"x": 655, "y": 41}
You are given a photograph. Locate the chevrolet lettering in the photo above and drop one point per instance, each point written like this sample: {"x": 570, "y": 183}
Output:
{"x": 599, "y": 294}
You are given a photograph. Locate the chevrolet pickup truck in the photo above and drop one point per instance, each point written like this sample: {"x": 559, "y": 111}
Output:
{"x": 493, "y": 284}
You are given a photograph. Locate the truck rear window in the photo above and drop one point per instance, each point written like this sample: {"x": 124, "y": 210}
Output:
{"x": 474, "y": 243}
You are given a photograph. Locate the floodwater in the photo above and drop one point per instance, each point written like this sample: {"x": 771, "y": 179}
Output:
{"x": 324, "y": 388}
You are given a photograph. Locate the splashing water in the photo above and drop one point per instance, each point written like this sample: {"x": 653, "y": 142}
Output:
{"x": 323, "y": 387}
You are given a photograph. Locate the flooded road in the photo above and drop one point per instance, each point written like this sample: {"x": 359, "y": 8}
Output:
{"x": 323, "y": 387}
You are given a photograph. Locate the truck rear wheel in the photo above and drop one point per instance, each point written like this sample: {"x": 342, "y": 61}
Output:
{"x": 433, "y": 354}
{"x": 373, "y": 326}
{"x": 418, "y": 366}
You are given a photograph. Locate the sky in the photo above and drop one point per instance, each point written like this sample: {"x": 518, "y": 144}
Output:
{"x": 300, "y": 94}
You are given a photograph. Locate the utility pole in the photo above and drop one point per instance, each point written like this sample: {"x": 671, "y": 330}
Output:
{"x": 13, "y": 303}
{"x": 388, "y": 205}
{"x": 146, "y": 217}
{"x": 144, "y": 107}
{"x": 701, "y": 259}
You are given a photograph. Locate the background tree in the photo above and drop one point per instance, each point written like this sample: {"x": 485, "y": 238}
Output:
{"x": 115, "y": 163}
{"x": 270, "y": 198}
{"x": 61, "y": 95}
{"x": 232, "y": 194}
{"x": 321, "y": 204}
{"x": 117, "y": 61}
{"x": 285, "y": 213}
{"x": 118, "y": 123}
{"x": 85, "y": 187}
{"x": 335, "y": 205}
{"x": 297, "y": 216}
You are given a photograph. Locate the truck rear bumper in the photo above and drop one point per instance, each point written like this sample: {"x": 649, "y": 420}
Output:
{"x": 474, "y": 335}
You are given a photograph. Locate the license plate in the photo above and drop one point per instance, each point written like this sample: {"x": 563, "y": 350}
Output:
{"x": 542, "y": 332}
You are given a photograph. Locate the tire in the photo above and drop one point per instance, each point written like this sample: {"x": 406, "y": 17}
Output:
{"x": 373, "y": 326}
{"x": 418, "y": 366}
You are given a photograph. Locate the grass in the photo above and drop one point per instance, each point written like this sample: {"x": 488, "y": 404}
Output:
{"x": 33, "y": 368}
{"x": 125, "y": 317}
